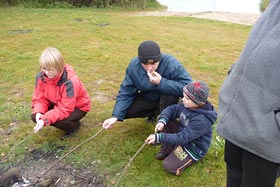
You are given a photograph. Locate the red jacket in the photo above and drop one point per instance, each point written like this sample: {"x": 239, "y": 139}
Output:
{"x": 65, "y": 91}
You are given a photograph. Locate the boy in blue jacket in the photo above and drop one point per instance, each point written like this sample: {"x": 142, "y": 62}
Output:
{"x": 187, "y": 140}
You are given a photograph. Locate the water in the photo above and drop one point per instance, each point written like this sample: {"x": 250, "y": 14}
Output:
{"x": 236, "y": 6}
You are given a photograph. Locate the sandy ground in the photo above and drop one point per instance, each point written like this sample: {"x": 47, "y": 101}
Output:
{"x": 240, "y": 18}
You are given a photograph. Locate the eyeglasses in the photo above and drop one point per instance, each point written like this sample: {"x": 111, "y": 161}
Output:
{"x": 44, "y": 69}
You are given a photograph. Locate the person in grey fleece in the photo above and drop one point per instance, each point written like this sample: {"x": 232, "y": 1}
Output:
{"x": 249, "y": 107}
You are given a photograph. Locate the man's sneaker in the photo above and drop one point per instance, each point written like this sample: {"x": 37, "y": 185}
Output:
{"x": 68, "y": 134}
{"x": 160, "y": 156}
{"x": 151, "y": 119}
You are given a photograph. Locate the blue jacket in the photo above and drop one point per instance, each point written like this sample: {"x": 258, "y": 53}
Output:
{"x": 196, "y": 132}
{"x": 174, "y": 78}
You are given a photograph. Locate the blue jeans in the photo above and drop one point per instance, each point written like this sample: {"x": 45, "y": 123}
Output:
{"x": 245, "y": 169}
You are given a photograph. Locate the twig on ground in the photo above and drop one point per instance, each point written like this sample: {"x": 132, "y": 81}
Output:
{"x": 79, "y": 176}
{"x": 56, "y": 182}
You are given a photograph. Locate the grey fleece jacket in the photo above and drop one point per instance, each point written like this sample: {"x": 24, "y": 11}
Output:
{"x": 249, "y": 100}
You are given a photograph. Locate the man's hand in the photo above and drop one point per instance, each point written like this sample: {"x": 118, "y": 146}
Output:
{"x": 108, "y": 123}
{"x": 39, "y": 125}
{"x": 154, "y": 77}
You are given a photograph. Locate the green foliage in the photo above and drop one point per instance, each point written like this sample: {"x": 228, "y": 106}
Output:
{"x": 139, "y": 4}
{"x": 264, "y": 4}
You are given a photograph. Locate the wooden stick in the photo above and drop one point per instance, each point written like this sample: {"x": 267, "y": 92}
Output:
{"x": 16, "y": 147}
{"x": 117, "y": 184}
{"x": 68, "y": 154}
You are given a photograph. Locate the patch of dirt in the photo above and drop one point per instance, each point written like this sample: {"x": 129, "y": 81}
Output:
{"x": 240, "y": 18}
{"x": 245, "y": 19}
{"x": 39, "y": 165}
{"x": 101, "y": 96}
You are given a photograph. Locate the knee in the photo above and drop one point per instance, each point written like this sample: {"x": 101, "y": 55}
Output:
{"x": 169, "y": 167}
{"x": 175, "y": 166}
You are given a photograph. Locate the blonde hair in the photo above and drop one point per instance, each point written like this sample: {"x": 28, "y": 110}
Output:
{"x": 52, "y": 58}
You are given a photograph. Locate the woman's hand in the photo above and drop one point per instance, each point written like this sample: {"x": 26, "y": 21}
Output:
{"x": 39, "y": 125}
{"x": 38, "y": 117}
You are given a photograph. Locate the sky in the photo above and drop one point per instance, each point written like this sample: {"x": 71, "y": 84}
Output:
{"x": 236, "y": 6}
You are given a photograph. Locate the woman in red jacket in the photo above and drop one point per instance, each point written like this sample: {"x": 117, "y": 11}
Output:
{"x": 59, "y": 98}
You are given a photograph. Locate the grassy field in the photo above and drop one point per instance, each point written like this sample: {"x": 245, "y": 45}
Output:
{"x": 99, "y": 45}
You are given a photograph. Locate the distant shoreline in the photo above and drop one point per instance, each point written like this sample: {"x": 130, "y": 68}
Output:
{"x": 240, "y": 18}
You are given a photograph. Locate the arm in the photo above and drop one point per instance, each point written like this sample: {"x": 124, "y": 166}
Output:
{"x": 197, "y": 127}
{"x": 65, "y": 104}
{"x": 174, "y": 76}
{"x": 171, "y": 112}
{"x": 39, "y": 103}
{"x": 126, "y": 96}
{"x": 124, "y": 100}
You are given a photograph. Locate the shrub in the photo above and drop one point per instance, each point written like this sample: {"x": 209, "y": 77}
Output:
{"x": 263, "y": 5}
{"x": 80, "y": 3}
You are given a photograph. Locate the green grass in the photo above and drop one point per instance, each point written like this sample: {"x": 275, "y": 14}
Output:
{"x": 100, "y": 55}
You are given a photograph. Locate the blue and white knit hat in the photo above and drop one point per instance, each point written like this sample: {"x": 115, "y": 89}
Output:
{"x": 197, "y": 91}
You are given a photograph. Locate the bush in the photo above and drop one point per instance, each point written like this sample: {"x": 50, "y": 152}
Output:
{"x": 263, "y": 5}
{"x": 142, "y": 4}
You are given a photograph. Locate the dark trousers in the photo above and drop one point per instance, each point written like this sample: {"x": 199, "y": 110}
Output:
{"x": 172, "y": 126}
{"x": 177, "y": 161}
{"x": 245, "y": 169}
{"x": 142, "y": 107}
{"x": 70, "y": 124}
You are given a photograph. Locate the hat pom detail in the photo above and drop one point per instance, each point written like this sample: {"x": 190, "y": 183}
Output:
{"x": 197, "y": 91}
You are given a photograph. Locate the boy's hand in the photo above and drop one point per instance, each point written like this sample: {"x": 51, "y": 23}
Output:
{"x": 159, "y": 127}
{"x": 151, "y": 139}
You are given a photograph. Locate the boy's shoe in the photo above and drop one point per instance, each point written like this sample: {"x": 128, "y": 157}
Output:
{"x": 151, "y": 119}
{"x": 160, "y": 156}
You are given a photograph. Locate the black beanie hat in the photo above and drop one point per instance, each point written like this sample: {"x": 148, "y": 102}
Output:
{"x": 149, "y": 52}
{"x": 197, "y": 91}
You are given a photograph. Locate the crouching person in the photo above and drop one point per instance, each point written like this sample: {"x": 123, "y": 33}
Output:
{"x": 185, "y": 141}
{"x": 60, "y": 99}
